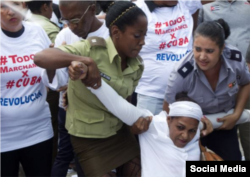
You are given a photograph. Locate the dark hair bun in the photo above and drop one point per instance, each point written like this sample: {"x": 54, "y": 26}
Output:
{"x": 105, "y": 5}
{"x": 225, "y": 26}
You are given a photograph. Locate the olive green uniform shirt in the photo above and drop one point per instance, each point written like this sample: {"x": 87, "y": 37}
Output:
{"x": 50, "y": 28}
{"x": 86, "y": 115}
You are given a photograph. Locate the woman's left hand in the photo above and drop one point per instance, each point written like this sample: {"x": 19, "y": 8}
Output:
{"x": 228, "y": 121}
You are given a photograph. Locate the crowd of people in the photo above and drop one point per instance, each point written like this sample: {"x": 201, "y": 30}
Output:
{"x": 122, "y": 88}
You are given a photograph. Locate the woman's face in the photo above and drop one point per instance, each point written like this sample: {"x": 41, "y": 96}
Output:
{"x": 182, "y": 130}
{"x": 11, "y": 18}
{"x": 206, "y": 53}
{"x": 129, "y": 42}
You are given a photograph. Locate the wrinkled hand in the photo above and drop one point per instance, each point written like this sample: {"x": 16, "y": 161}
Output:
{"x": 141, "y": 125}
{"x": 208, "y": 127}
{"x": 93, "y": 78}
{"x": 77, "y": 70}
{"x": 63, "y": 88}
{"x": 229, "y": 122}
{"x": 65, "y": 100}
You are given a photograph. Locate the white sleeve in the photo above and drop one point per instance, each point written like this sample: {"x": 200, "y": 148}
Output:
{"x": 60, "y": 38}
{"x": 60, "y": 79}
{"x": 245, "y": 117}
{"x": 118, "y": 106}
{"x": 191, "y": 5}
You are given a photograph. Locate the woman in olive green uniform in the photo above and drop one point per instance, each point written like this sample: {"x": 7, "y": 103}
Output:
{"x": 101, "y": 141}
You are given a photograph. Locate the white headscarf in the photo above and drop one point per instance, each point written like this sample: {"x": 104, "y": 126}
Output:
{"x": 185, "y": 109}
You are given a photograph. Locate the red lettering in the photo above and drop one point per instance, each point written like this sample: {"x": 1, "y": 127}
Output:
{"x": 169, "y": 44}
{"x": 32, "y": 56}
{"x": 39, "y": 80}
{"x": 10, "y": 70}
{"x": 179, "y": 20}
{"x": 15, "y": 68}
{"x": 26, "y": 81}
{"x": 4, "y": 69}
{"x": 158, "y": 31}
{"x": 166, "y": 23}
{"x": 186, "y": 40}
{"x": 175, "y": 43}
{"x": 19, "y": 59}
{"x": 181, "y": 41}
{"x": 33, "y": 80}
{"x": 13, "y": 58}
{"x": 25, "y": 67}
{"x": 17, "y": 83}
{"x": 26, "y": 58}
{"x": 183, "y": 17}
{"x": 20, "y": 67}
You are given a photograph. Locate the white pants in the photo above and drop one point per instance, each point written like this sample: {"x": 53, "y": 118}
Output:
{"x": 154, "y": 105}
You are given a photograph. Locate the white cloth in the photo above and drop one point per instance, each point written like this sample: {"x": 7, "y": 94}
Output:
{"x": 168, "y": 40}
{"x": 244, "y": 118}
{"x": 61, "y": 77}
{"x": 118, "y": 106}
{"x": 159, "y": 155}
{"x": 185, "y": 109}
{"x": 25, "y": 114}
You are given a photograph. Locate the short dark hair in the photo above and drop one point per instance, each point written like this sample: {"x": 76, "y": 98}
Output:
{"x": 84, "y": 3}
{"x": 35, "y": 6}
{"x": 183, "y": 96}
{"x": 217, "y": 31}
{"x": 118, "y": 16}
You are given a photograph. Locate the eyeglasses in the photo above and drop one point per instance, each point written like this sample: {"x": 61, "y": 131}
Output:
{"x": 75, "y": 20}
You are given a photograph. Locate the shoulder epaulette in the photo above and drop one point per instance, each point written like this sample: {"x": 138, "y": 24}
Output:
{"x": 233, "y": 55}
{"x": 186, "y": 69}
{"x": 97, "y": 41}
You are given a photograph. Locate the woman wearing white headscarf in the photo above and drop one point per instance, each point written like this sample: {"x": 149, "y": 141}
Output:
{"x": 171, "y": 139}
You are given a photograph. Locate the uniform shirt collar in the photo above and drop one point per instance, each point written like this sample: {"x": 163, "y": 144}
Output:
{"x": 151, "y": 5}
{"x": 133, "y": 63}
{"x": 39, "y": 18}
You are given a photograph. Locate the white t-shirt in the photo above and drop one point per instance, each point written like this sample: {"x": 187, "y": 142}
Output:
{"x": 168, "y": 39}
{"x": 159, "y": 156}
{"x": 25, "y": 114}
{"x": 62, "y": 76}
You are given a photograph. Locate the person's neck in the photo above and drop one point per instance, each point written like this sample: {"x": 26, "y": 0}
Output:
{"x": 96, "y": 25}
{"x": 160, "y": 4}
{"x": 214, "y": 71}
{"x": 14, "y": 33}
{"x": 42, "y": 14}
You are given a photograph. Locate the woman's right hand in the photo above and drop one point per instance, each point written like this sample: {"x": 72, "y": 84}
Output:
{"x": 77, "y": 70}
{"x": 93, "y": 78}
{"x": 141, "y": 125}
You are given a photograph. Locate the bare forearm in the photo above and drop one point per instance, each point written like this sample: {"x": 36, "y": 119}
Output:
{"x": 52, "y": 59}
{"x": 165, "y": 106}
{"x": 242, "y": 99}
